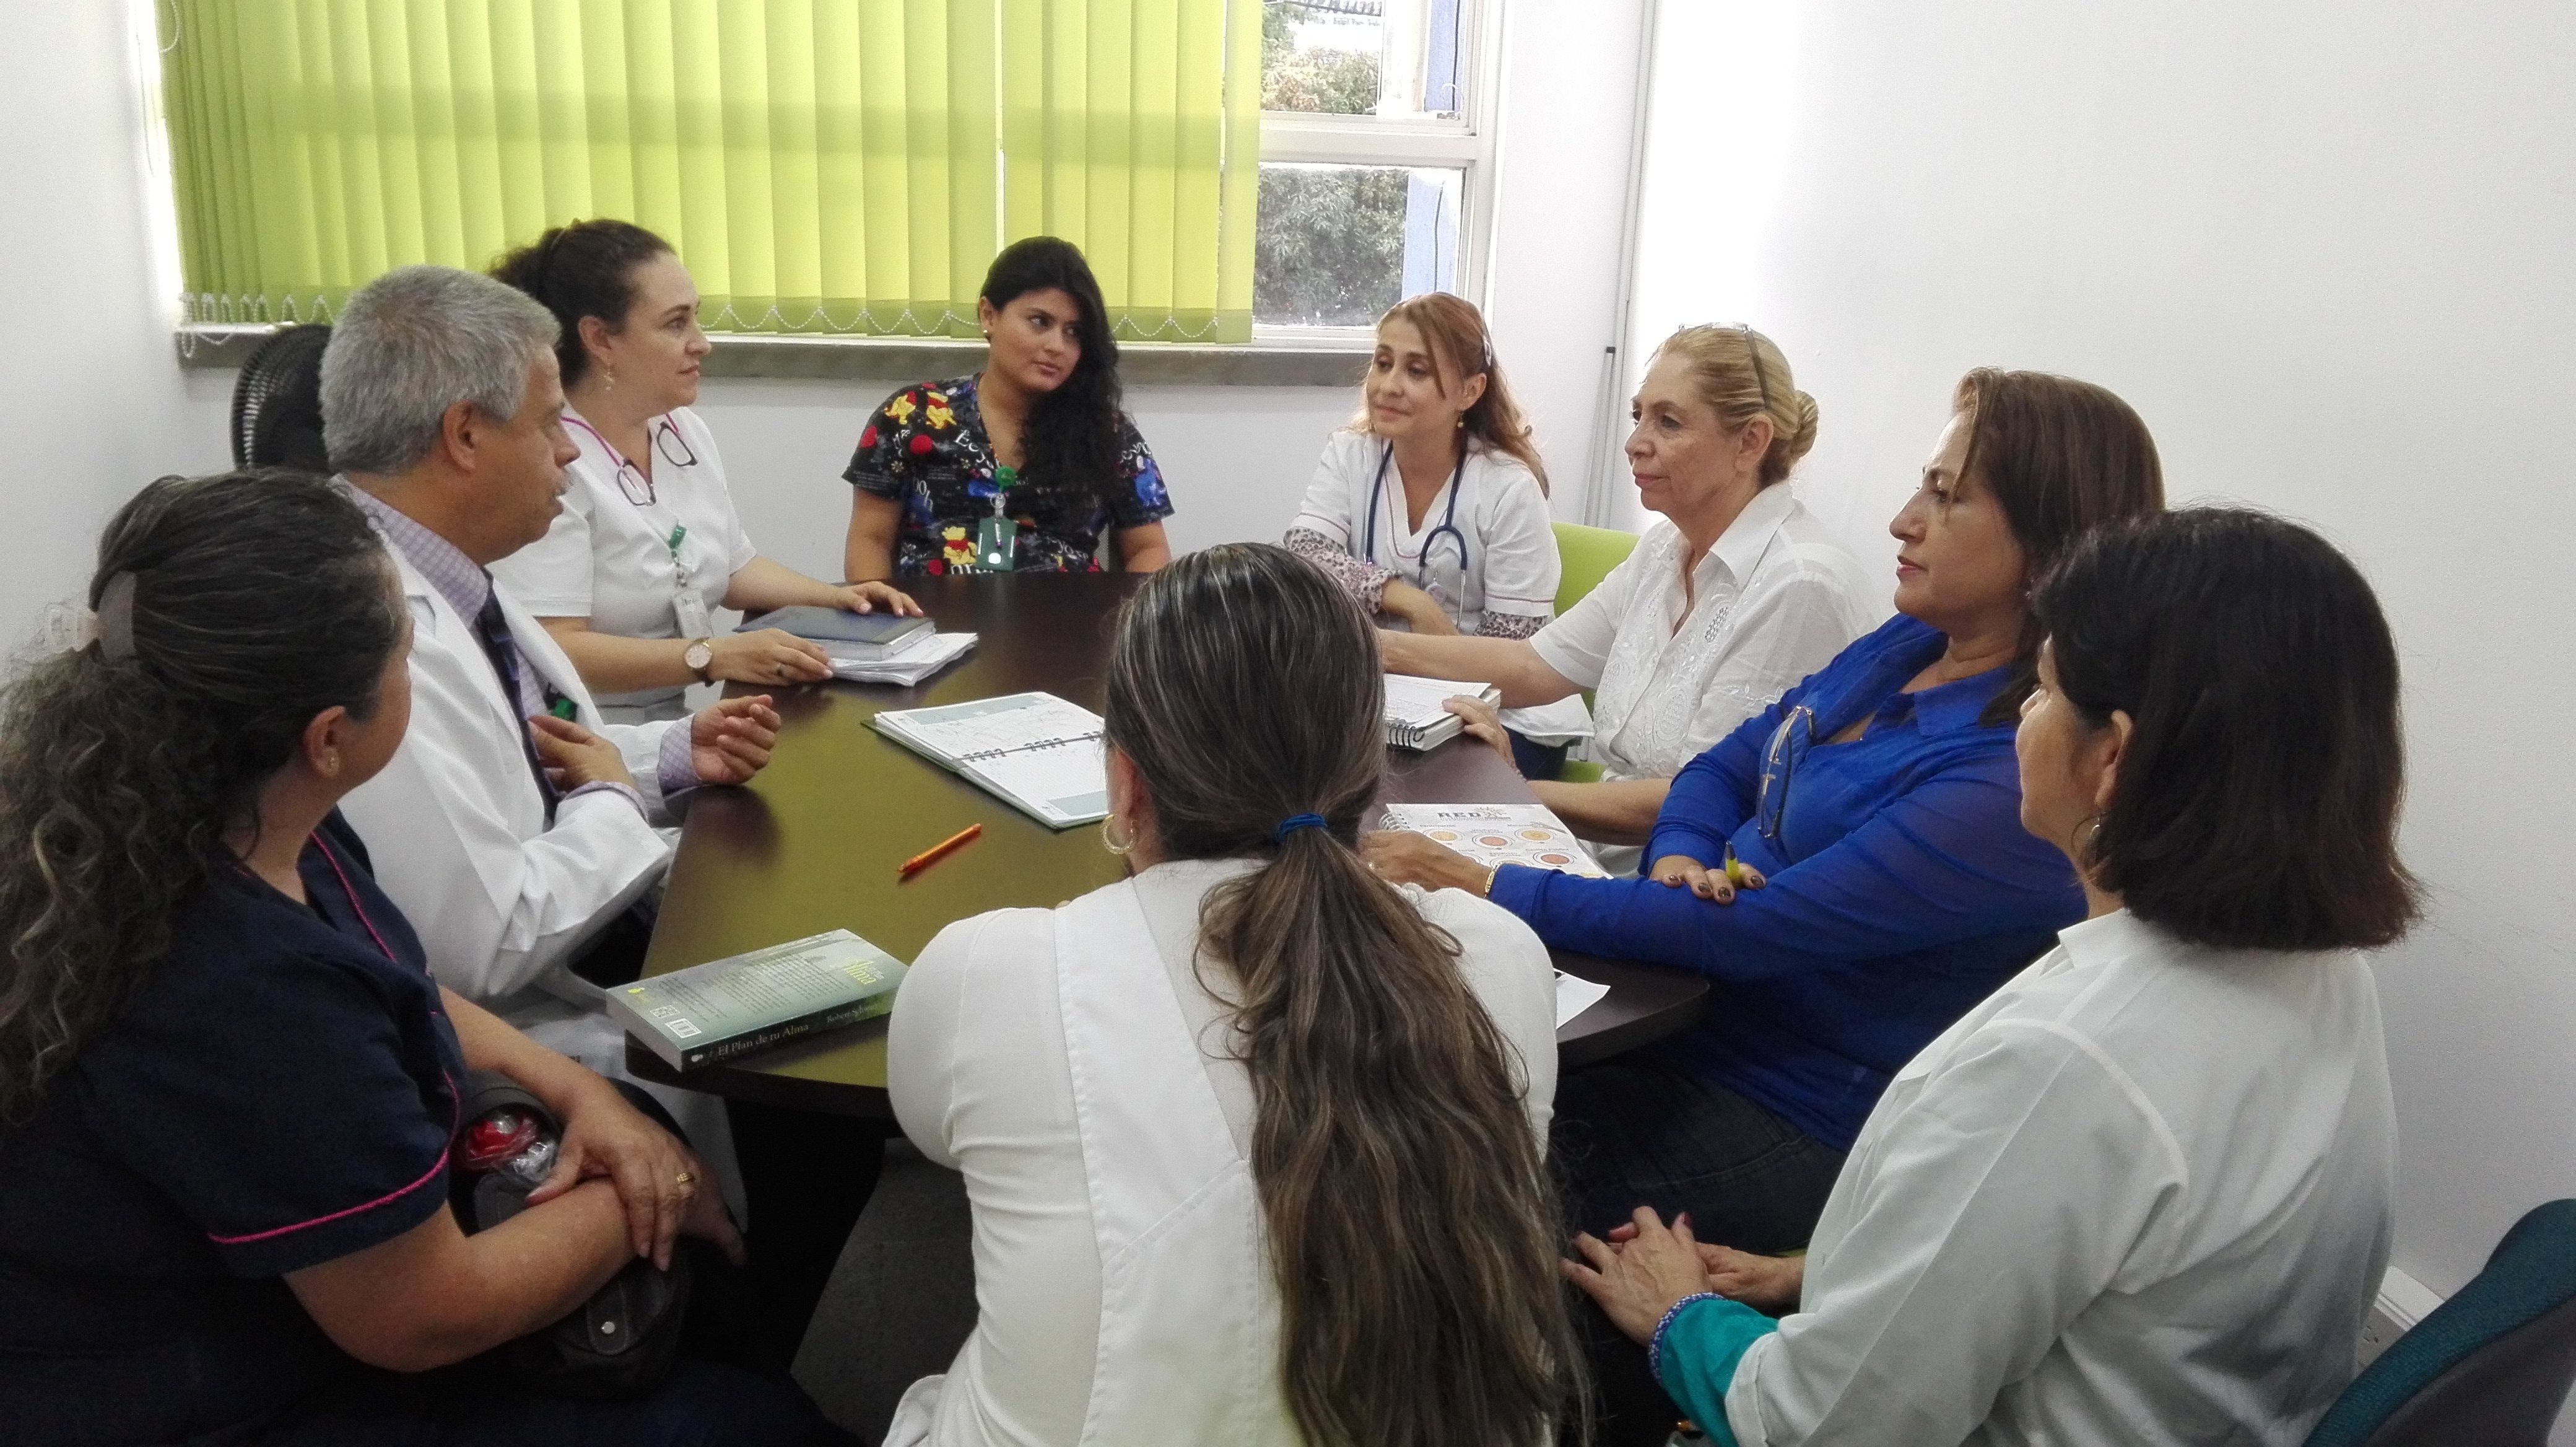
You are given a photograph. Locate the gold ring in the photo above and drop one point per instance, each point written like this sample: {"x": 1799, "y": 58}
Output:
{"x": 685, "y": 1178}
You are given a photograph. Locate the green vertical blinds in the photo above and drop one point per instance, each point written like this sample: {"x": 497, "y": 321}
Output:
{"x": 821, "y": 165}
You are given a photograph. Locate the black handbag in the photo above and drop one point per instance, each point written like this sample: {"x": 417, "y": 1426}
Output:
{"x": 623, "y": 1341}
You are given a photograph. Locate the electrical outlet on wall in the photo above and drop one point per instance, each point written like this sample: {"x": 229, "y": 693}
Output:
{"x": 2403, "y": 1301}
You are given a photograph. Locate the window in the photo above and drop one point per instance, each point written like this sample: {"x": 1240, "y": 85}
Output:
{"x": 1375, "y": 163}
{"x": 823, "y": 166}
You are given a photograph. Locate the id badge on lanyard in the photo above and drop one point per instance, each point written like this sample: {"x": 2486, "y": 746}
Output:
{"x": 997, "y": 538}
{"x": 686, "y": 604}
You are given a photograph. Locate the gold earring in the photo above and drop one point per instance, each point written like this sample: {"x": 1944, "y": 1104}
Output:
{"x": 1109, "y": 839}
{"x": 608, "y": 379}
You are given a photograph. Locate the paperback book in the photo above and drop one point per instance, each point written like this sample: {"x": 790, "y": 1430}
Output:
{"x": 710, "y": 1013}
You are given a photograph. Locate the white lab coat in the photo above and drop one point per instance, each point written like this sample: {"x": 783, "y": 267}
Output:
{"x": 2141, "y": 1194}
{"x": 610, "y": 558}
{"x": 1500, "y": 559}
{"x": 1073, "y": 1065}
{"x": 457, "y": 832}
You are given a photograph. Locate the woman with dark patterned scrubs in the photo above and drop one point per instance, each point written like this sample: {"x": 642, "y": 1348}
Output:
{"x": 1028, "y": 465}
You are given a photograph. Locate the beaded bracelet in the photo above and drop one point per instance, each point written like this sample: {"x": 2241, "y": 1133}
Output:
{"x": 1655, "y": 1344}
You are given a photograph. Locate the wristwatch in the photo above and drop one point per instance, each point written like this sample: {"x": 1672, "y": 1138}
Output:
{"x": 698, "y": 655}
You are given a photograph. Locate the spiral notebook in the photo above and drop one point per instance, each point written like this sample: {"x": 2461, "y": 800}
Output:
{"x": 1416, "y": 714}
{"x": 1034, "y": 751}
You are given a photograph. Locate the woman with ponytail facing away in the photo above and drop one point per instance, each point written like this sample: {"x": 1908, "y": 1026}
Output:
{"x": 1252, "y": 1138}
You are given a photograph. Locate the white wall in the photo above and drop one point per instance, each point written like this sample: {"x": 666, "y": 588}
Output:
{"x": 2323, "y": 249}
{"x": 1568, "y": 105}
{"x": 91, "y": 398}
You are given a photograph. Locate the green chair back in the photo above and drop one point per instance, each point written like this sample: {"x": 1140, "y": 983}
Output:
{"x": 1585, "y": 557}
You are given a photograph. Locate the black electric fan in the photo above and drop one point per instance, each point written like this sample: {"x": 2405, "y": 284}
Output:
{"x": 277, "y": 403}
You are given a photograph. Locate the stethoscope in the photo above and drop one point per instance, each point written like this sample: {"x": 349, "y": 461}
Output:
{"x": 1431, "y": 539}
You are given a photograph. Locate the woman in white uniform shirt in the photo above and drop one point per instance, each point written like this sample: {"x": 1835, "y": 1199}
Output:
{"x": 1740, "y": 593}
{"x": 1197, "y": 1108}
{"x": 648, "y": 545}
{"x": 2143, "y": 1192}
{"x": 1431, "y": 506}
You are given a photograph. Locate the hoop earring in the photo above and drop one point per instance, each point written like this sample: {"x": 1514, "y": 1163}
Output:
{"x": 1110, "y": 841}
{"x": 2086, "y": 843}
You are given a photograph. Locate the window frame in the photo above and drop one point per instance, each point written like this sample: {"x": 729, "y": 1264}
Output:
{"x": 1465, "y": 144}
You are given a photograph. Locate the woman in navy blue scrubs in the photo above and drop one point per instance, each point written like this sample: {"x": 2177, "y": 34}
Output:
{"x": 228, "y": 1083}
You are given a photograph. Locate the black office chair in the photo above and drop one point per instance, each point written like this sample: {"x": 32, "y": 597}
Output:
{"x": 2490, "y": 1366}
{"x": 277, "y": 402}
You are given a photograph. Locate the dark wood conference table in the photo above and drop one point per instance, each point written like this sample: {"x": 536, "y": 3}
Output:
{"x": 813, "y": 842}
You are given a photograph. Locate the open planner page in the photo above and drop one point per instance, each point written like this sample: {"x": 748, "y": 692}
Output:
{"x": 1063, "y": 784}
{"x": 958, "y": 732}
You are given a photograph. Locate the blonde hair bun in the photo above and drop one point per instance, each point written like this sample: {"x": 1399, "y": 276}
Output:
{"x": 1803, "y": 436}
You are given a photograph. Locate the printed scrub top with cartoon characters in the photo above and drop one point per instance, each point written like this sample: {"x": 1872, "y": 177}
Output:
{"x": 926, "y": 448}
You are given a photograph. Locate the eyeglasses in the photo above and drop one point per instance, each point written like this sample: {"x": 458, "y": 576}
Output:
{"x": 1789, "y": 744}
{"x": 1753, "y": 345}
{"x": 631, "y": 480}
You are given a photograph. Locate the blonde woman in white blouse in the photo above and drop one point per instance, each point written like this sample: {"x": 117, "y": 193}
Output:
{"x": 1737, "y": 595}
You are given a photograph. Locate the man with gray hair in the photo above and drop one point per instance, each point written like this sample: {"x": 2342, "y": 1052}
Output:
{"x": 513, "y": 827}
{"x": 517, "y": 829}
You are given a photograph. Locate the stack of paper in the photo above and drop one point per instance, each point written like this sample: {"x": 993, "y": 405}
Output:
{"x": 1414, "y": 716}
{"x": 1498, "y": 834}
{"x": 911, "y": 661}
{"x": 1034, "y": 751}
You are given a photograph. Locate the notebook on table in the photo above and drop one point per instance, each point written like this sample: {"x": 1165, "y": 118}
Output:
{"x": 1034, "y": 751}
{"x": 1414, "y": 716}
{"x": 851, "y": 635}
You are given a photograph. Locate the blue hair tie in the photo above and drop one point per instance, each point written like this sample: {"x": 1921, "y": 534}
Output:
{"x": 1293, "y": 823}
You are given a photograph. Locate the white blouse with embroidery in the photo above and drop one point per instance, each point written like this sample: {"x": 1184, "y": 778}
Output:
{"x": 1674, "y": 671}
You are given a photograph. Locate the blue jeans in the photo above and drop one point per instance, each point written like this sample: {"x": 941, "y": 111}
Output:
{"x": 1638, "y": 1132}
{"x": 1535, "y": 761}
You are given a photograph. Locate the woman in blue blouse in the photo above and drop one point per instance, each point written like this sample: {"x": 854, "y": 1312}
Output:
{"x": 229, "y": 1087}
{"x": 1884, "y": 881}
{"x": 1032, "y": 460}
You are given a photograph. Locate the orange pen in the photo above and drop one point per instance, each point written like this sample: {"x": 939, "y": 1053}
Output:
{"x": 938, "y": 851}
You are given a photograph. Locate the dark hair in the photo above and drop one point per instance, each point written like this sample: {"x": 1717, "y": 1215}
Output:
{"x": 258, "y": 600}
{"x": 2256, "y": 806}
{"x": 1411, "y": 1227}
{"x": 2062, "y": 457}
{"x": 585, "y": 269}
{"x": 1075, "y": 431}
